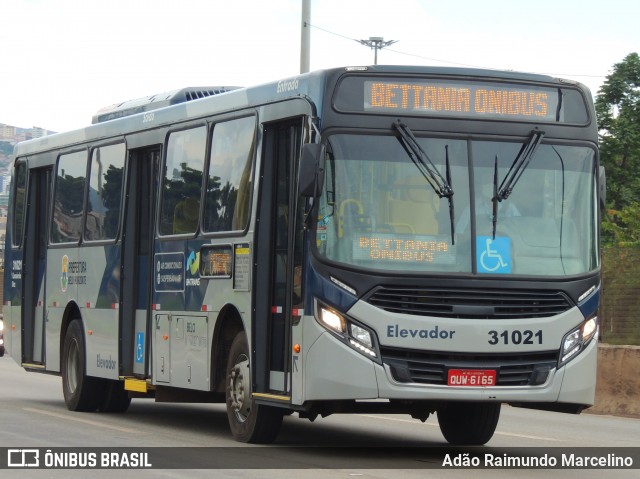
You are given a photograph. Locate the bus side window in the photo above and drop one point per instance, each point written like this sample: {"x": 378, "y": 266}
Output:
{"x": 19, "y": 204}
{"x": 68, "y": 198}
{"x": 105, "y": 192}
{"x": 185, "y": 216}
{"x": 229, "y": 182}
{"x": 182, "y": 181}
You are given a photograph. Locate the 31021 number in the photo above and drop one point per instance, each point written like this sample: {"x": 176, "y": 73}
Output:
{"x": 515, "y": 337}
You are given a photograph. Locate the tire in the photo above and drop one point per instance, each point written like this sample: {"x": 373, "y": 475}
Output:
{"x": 116, "y": 398}
{"x": 468, "y": 424}
{"x": 249, "y": 422}
{"x": 81, "y": 392}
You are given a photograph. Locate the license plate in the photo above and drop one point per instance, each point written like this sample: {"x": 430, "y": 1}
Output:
{"x": 471, "y": 377}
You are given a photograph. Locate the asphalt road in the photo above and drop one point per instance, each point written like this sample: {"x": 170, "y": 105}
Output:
{"x": 33, "y": 415}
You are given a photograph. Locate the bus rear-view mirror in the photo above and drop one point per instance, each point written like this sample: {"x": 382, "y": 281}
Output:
{"x": 311, "y": 174}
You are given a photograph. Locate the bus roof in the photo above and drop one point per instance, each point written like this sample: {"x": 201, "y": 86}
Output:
{"x": 192, "y": 103}
{"x": 154, "y": 102}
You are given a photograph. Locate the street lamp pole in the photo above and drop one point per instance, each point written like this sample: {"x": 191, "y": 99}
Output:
{"x": 305, "y": 37}
{"x": 376, "y": 43}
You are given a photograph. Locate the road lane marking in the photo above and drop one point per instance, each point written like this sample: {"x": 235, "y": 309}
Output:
{"x": 510, "y": 434}
{"x": 527, "y": 436}
{"x": 69, "y": 417}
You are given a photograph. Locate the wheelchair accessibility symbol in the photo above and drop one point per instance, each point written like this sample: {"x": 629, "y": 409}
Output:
{"x": 493, "y": 255}
{"x": 139, "y": 347}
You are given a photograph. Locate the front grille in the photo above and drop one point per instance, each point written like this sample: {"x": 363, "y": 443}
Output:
{"x": 421, "y": 367}
{"x": 470, "y": 303}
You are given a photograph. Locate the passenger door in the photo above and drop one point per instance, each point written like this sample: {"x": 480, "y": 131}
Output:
{"x": 279, "y": 258}
{"x": 137, "y": 248}
{"x": 33, "y": 266}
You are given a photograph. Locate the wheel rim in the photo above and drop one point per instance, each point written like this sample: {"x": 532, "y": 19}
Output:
{"x": 73, "y": 366}
{"x": 239, "y": 388}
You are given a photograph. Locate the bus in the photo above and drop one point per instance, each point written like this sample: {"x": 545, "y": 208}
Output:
{"x": 379, "y": 239}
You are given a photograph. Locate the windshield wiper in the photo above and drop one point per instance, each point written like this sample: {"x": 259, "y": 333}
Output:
{"x": 519, "y": 165}
{"x": 514, "y": 174}
{"x": 494, "y": 198}
{"x": 440, "y": 184}
{"x": 423, "y": 162}
{"x": 452, "y": 215}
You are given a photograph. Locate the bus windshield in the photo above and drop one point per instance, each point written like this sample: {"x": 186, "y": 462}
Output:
{"x": 378, "y": 211}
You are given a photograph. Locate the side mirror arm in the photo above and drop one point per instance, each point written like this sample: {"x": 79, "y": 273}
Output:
{"x": 602, "y": 186}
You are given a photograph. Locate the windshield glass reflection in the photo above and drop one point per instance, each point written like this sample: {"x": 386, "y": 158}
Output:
{"x": 378, "y": 211}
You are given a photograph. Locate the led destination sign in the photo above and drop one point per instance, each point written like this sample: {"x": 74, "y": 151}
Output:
{"x": 392, "y": 248}
{"x": 216, "y": 261}
{"x": 461, "y": 99}
{"x": 481, "y": 99}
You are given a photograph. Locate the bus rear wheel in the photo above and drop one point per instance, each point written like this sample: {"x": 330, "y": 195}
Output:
{"x": 249, "y": 422}
{"x": 81, "y": 392}
{"x": 468, "y": 424}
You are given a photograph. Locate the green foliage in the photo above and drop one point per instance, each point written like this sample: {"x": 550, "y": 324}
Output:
{"x": 618, "y": 110}
{"x": 618, "y": 113}
{"x": 620, "y": 300}
{"x": 622, "y": 227}
{"x": 6, "y": 148}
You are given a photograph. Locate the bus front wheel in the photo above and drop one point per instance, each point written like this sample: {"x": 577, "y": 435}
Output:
{"x": 249, "y": 422}
{"x": 81, "y": 392}
{"x": 116, "y": 398}
{"x": 468, "y": 424}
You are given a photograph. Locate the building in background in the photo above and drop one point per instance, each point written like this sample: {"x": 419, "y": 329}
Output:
{"x": 14, "y": 134}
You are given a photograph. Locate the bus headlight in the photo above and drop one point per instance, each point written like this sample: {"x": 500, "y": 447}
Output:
{"x": 355, "y": 335}
{"x": 331, "y": 319}
{"x": 361, "y": 335}
{"x": 577, "y": 340}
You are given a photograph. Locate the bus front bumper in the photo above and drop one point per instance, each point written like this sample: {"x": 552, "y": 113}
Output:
{"x": 333, "y": 371}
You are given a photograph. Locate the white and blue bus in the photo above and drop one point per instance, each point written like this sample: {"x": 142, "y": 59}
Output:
{"x": 377, "y": 239}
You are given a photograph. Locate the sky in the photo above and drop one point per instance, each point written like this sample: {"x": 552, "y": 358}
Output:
{"x": 63, "y": 60}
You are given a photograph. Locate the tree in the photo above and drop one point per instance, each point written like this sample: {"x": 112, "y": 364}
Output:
{"x": 6, "y": 148}
{"x": 618, "y": 112}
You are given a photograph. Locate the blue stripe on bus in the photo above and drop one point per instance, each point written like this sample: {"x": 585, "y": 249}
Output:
{"x": 589, "y": 306}
{"x": 320, "y": 287}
